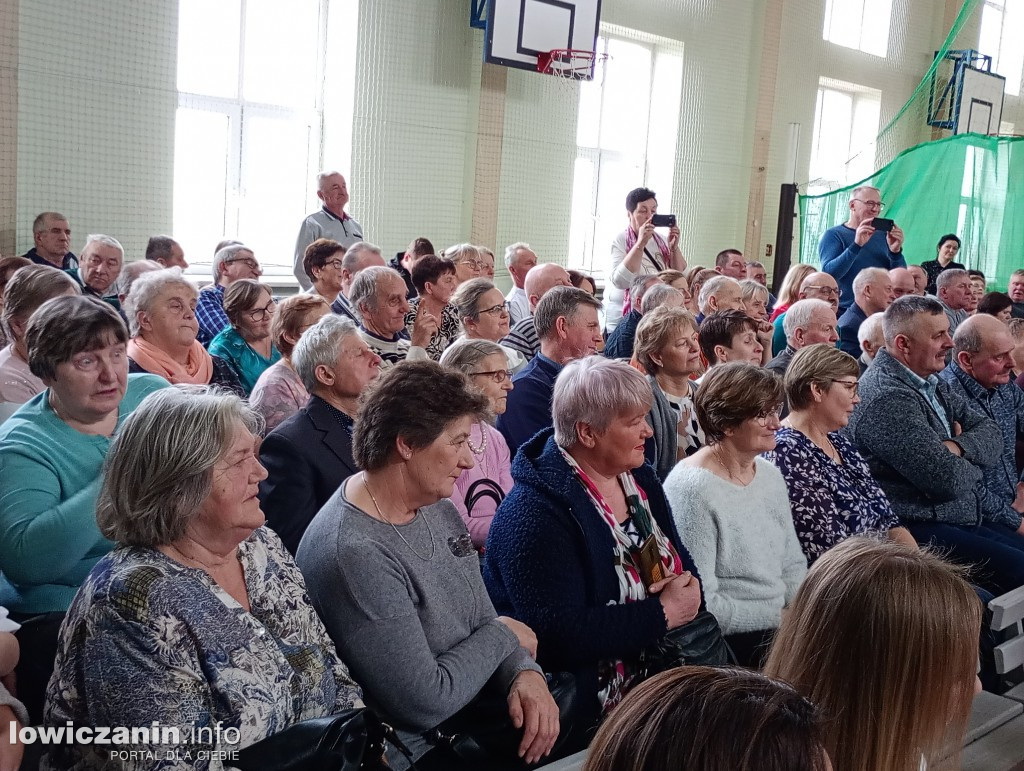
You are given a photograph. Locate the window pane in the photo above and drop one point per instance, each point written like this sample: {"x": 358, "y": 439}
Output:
{"x": 664, "y": 131}
{"x": 860, "y": 24}
{"x": 581, "y": 223}
{"x": 588, "y": 118}
{"x": 275, "y": 177}
{"x": 208, "y": 34}
{"x": 627, "y": 89}
{"x": 866, "y": 112}
{"x": 200, "y": 181}
{"x": 281, "y": 51}
{"x": 874, "y": 27}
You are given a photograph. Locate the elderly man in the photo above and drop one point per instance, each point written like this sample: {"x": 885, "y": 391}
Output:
{"x": 539, "y": 281}
{"x": 231, "y": 262}
{"x": 648, "y": 294}
{"x": 330, "y": 222}
{"x": 953, "y": 290}
{"x": 902, "y": 281}
{"x": 52, "y": 236}
{"x": 99, "y": 267}
{"x": 872, "y": 293}
{"x": 360, "y": 256}
{"x": 720, "y": 293}
{"x": 730, "y": 262}
{"x": 129, "y": 273}
{"x": 1016, "y": 291}
{"x": 404, "y": 262}
{"x": 847, "y": 249}
{"x": 920, "y": 277}
{"x": 166, "y": 251}
{"x": 378, "y": 296}
{"x": 568, "y": 326}
{"x": 807, "y": 322}
{"x": 980, "y": 374}
{"x": 927, "y": 447}
{"x": 816, "y": 286}
{"x": 519, "y": 260}
{"x": 871, "y": 340}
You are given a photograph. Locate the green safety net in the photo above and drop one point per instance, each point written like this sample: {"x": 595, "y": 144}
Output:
{"x": 967, "y": 184}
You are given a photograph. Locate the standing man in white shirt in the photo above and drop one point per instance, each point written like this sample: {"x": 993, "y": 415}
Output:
{"x": 519, "y": 258}
{"x": 330, "y": 222}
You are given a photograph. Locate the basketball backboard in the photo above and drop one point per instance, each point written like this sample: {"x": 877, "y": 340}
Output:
{"x": 519, "y": 31}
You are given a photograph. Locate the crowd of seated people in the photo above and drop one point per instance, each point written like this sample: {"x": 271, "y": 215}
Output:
{"x": 403, "y": 489}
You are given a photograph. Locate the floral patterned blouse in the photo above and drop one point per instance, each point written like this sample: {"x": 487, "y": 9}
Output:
{"x": 448, "y": 330}
{"x": 279, "y": 394}
{"x": 830, "y": 501}
{"x": 148, "y": 639}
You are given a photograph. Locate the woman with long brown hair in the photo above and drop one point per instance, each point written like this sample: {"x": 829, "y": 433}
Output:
{"x": 883, "y": 638}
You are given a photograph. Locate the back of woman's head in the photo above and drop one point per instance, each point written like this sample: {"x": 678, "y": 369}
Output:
{"x": 883, "y": 638}
{"x": 705, "y": 719}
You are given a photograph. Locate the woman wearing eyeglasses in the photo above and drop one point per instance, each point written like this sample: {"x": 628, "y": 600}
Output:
{"x": 480, "y": 489}
{"x": 732, "y": 508}
{"x": 434, "y": 279}
{"x": 469, "y": 262}
{"x": 246, "y": 344}
{"x": 485, "y": 316}
{"x": 322, "y": 263}
{"x": 831, "y": 491}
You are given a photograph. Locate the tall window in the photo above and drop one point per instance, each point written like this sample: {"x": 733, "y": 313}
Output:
{"x": 625, "y": 138}
{"x": 845, "y": 128}
{"x": 1001, "y": 38}
{"x": 860, "y": 24}
{"x": 249, "y": 122}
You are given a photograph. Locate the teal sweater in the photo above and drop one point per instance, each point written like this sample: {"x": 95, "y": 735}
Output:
{"x": 50, "y": 476}
{"x": 244, "y": 360}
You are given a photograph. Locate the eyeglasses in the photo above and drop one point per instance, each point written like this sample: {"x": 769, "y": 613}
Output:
{"x": 497, "y": 310}
{"x": 474, "y": 264}
{"x": 853, "y": 387}
{"x": 336, "y": 264}
{"x": 499, "y": 376}
{"x": 260, "y": 314}
{"x": 249, "y": 262}
{"x": 763, "y": 418}
{"x": 828, "y": 291}
{"x": 871, "y": 204}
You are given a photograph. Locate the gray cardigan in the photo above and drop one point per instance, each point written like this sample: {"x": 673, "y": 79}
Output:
{"x": 663, "y": 446}
{"x": 900, "y": 437}
{"x": 411, "y": 618}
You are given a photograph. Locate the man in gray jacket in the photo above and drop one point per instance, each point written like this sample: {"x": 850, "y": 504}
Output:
{"x": 927, "y": 447}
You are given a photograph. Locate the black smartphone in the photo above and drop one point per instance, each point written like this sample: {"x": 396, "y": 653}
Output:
{"x": 664, "y": 220}
{"x": 880, "y": 223}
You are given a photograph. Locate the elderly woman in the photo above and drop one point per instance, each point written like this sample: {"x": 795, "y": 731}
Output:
{"x": 485, "y": 316}
{"x": 480, "y": 489}
{"x": 677, "y": 280}
{"x": 667, "y": 348}
{"x": 322, "y": 263}
{"x": 755, "y": 301}
{"x": 636, "y": 251}
{"x": 435, "y": 282}
{"x": 8, "y": 267}
{"x": 51, "y": 458}
{"x": 468, "y": 261}
{"x": 393, "y": 573}
{"x": 789, "y": 292}
{"x": 583, "y": 549}
{"x": 28, "y": 289}
{"x": 732, "y": 508}
{"x": 199, "y": 613}
{"x": 487, "y": 258}
{"x": 831, "y": 491}
{"x": 310, "y": 454}
{"x": 246, "y": 345}
{"x": 279, "y": 392}
{"x": 161, "y": 311}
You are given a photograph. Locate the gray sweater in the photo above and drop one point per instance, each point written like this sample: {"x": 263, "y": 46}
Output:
{"x": 418, "y": 633}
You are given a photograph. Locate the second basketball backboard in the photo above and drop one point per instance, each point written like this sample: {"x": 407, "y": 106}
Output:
{"x": 519, "y": 31}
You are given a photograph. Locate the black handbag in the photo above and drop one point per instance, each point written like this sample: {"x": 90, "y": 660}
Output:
{"x": 353, "y": 740}
{"x": 697, "y": 643}
{"x": 481, "y": 489}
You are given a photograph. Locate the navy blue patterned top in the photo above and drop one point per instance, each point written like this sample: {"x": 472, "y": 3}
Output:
{"x": 149, "y": 639}
{"x": 830, "y": 501}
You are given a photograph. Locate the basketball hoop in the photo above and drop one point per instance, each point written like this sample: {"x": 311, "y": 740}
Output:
{"x": 572, "y": 64}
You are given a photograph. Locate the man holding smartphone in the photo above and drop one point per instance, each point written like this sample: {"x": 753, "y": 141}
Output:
{"x": 865, "y": 240}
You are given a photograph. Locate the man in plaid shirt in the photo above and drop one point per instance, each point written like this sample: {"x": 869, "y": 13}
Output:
{"x": 231, "y": 263}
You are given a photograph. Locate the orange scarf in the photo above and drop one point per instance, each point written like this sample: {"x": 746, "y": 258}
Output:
{"x": 197, "y": 370}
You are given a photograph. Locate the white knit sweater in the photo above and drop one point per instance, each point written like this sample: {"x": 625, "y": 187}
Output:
{"x": 743, "y": 542}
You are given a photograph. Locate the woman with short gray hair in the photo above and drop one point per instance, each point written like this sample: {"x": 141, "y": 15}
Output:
{"x": 161, "y": 312}
{"x": 485, "y": 316}
{"x": 199, "y": 614}
{"x": 584, "y": 549}
{"x": 480, "y": 489}
{"x": 309, "y": 454}
{"x": 51, "y": 458}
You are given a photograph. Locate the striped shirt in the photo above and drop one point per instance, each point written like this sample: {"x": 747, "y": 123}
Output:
{"x": 393, "y": 351}
{"x": 523, "y": 338}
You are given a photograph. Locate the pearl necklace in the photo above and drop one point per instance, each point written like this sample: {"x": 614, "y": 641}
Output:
{"x": 478, "y": 451}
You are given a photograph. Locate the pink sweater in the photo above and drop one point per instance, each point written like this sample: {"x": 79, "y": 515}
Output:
{"x": 495, "y": 464}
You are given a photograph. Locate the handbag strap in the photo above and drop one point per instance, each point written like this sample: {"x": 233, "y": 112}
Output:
{"x": 480, "y": 489}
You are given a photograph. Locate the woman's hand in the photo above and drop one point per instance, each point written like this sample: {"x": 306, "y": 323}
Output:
{"x": 531, "y": 708}
{"x": 11, "y": 752}
{"x": 645, "y": 233}
{"x": 527, "y": 639}
{"x": 673, "y": 238}
{"x": 680, "y": 598}
{"x": 423, "y": 328}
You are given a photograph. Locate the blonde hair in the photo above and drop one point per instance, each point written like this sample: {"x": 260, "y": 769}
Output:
{"x": 883, "y": 638}
{"x": 656, "y": 329}
{"x": 789, "y": 293}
